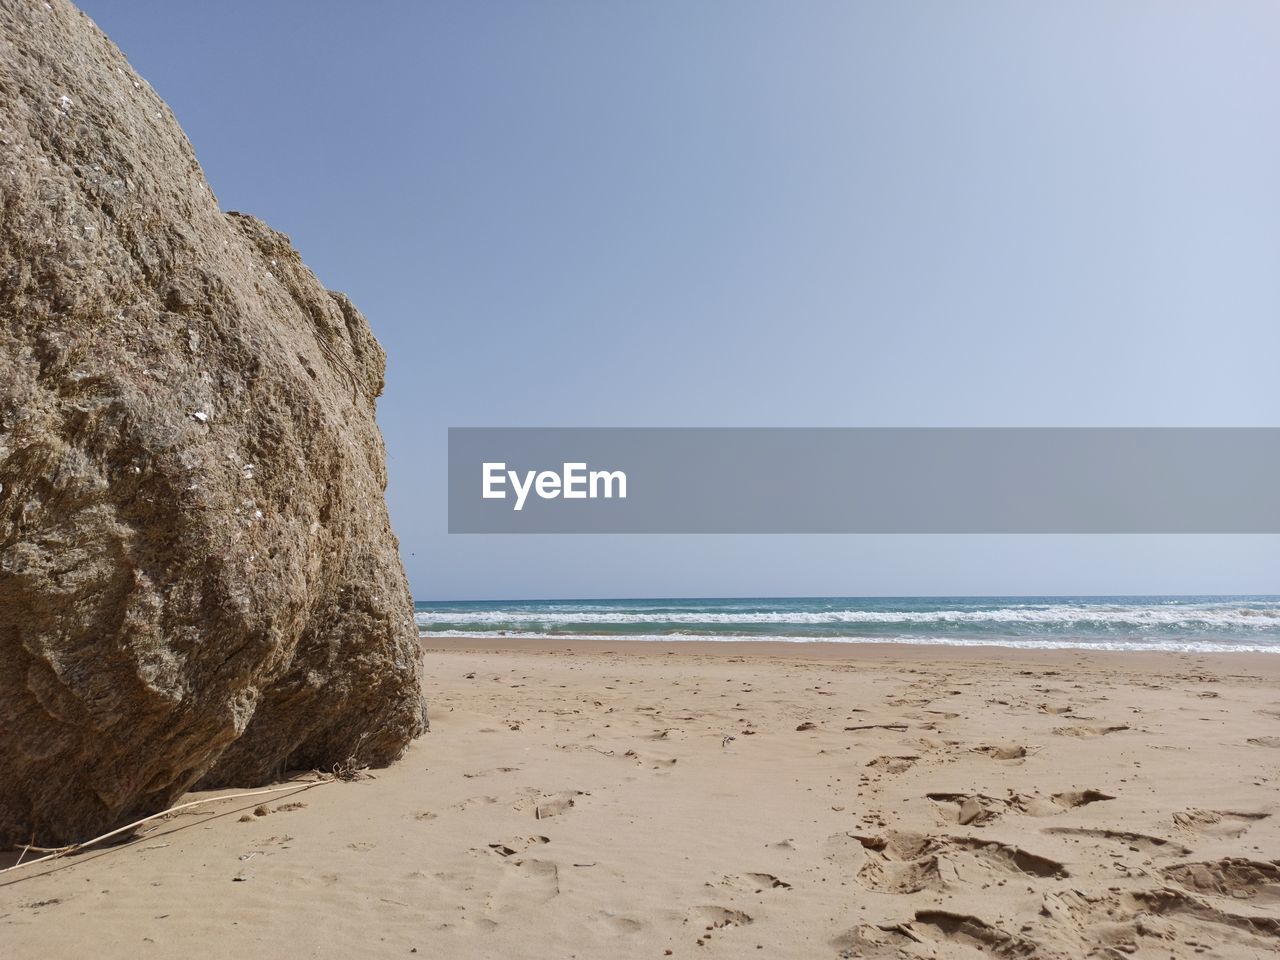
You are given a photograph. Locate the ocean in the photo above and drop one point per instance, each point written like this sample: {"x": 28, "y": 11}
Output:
{"x": 1190, "y": 624}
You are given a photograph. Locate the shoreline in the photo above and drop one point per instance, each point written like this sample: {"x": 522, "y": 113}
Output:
{"x": 1251, "y": 663}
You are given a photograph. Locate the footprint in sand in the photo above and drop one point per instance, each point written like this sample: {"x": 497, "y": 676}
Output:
{"x": 900, "y": 863}
{"x": 754, "y": 882}
{"x": 872, "y": 942}
{"x": 617, "y": 924}
{"x": 1120, "y": 922}
{"x": 717, "y": 918}
{"x": 1171, "y": 903}
{"x": 1217, "y": 823}
{"x": 526, "y": 883}
{"x": 1003, "y": 751}
{"x": 935, "y": 715}
{"x": 667, "y": 733}
{"x": 553, "y": 805}
{"x": 845, "y": 850}
{"x": 979, "y": 809}
{"x": 487, "y": 773}
{"x": 934, "y": 745}
{"x": 910, "y": 863}
{"x": 891, "y": 764}
{"x": 968, "y": 808}
{"x": 1005, "y": 858}
{"x": 1137, "y": 842}
{"x": 946, "y": 927}
{"x": 1233, "y": 877}
{"x": 649, "y": 760}
{"x": 1090, "y": 730}
{"x": 467, "y": 804}
{"x": 1071, "y": 799}
{"x": 507, "y": 848}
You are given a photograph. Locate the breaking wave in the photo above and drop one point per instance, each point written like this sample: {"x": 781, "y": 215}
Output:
{"x": 1208, "y": 624}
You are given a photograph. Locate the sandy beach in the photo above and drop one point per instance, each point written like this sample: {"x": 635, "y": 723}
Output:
{"x": 802, "y": 489}
{"x": 727, "y": 800}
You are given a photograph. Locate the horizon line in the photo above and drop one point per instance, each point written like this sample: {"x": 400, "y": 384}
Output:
{"x": 876, "y": 596}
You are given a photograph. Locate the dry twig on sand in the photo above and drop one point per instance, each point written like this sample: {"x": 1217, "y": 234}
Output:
{"x": 345, "y": 771}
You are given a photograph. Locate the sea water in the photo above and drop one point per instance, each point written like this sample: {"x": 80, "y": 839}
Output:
{"x": 1195, "y": 624}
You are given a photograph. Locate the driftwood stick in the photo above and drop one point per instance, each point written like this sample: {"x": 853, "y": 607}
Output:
{"x": 53, "y": 853}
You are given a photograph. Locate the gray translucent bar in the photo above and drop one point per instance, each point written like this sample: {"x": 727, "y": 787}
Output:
{"x": 876, "y": 480}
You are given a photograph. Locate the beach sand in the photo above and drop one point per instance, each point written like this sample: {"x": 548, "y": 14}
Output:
{"x": 624, "y": 799}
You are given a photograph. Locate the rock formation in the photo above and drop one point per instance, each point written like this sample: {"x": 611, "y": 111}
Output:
{"x": 198, "y": 580}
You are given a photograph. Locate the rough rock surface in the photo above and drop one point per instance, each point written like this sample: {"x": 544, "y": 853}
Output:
{"x": 198, "y": 579}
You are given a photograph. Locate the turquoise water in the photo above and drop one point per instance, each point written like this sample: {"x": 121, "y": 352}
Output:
{"x": 1208, "y": 624}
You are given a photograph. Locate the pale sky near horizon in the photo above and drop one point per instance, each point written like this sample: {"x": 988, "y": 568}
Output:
{"x": 765, "y": 214}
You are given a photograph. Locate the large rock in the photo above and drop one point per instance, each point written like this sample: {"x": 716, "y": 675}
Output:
{"x": 198, "y": 580}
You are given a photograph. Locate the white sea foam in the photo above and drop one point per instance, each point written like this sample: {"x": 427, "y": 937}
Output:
{"x": 1131, "y": 645}
{"x": 1184, "y": 616}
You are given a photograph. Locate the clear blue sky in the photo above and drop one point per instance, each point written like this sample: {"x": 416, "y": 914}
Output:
{"x": 765, "y": 214}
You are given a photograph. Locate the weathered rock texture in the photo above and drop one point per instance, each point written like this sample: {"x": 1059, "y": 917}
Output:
{"x": 198, "y": 580}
